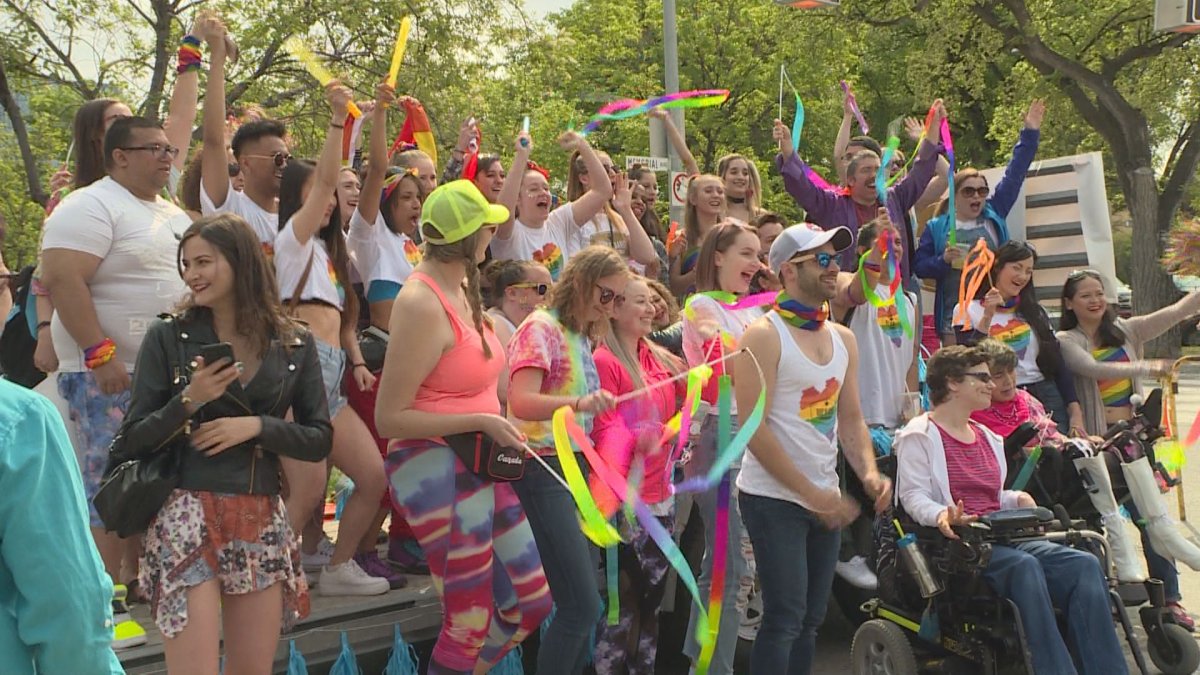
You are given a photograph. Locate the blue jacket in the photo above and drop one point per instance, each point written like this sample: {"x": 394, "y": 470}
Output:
{"x": 928, "y": 262}
{"x": 55, "y": 599}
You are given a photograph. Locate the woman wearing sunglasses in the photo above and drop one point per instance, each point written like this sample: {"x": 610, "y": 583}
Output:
{"x": 517, "y": 288}
{"x": 551, "y": 364}
{"x": 979, "y": 213}
{"x": 727, "y": 262}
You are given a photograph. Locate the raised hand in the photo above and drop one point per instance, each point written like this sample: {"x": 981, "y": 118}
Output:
{"x": 623, "y": 196}
{"x": 385, "y": 95}
{"x": 913, "y": 127}
{"x": 339, "y": 98}
{"x": 1037, "y": 110}
{"x": 571, "y": 141}
{"x": 783, "y": 136}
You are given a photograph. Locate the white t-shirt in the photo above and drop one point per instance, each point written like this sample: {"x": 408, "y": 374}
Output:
{"x": 885, "y": 355}
{"x": 379, "y": 253}
{"x": 1011, "y": 329}
{"x": 731, "y": 324}
{"x": 265, "y": 224}
{"x": 551, "y": 244}
{"x": 803, "y": 417}
{"x": 291, "y": 257}
{"x": 599, "y": 231}
{"x": 137, "y": 242}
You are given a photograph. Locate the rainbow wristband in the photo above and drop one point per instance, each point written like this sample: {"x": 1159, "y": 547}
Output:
{"x": 99, "y": 354}
{"x": 189, "y": 54}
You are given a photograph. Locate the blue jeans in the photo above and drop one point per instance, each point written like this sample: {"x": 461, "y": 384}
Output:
{"x": 795, "y": 555}
{"x": 1041, "y": 575}
{"x": 571, "y": 564}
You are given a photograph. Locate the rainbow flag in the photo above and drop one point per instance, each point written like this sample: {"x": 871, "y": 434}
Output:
{"x": 416, "y": 130}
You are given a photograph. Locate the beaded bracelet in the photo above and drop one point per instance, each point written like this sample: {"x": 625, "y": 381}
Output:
{"x": 189, "y": 54}
{"x": 99, "y": 354}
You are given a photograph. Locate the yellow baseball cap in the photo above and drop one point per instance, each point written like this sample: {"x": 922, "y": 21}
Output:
{"x": 457, "y": 210}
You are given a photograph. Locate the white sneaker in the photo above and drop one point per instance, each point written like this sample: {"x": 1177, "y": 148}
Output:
{"x": 751, "y": 619}
{"x": 315, "y": 562}
{"x": 855, "y": 571}
{"x": 349, "y": 579}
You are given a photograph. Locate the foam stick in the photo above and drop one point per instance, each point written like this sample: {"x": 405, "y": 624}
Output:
{"x": 1027, "y": 468}
{"x": 949, "y": 143}
{"x": 862, "y": 122}
{"x": 594, "y": 525}
{"x": 315, "y": 68}
{"x": 525, "y": 129}
{"x": 398, "y": 50}
{"x": 672, "y": 233}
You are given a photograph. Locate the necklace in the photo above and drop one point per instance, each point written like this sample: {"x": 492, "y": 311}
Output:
{"x": 800, "y": 315}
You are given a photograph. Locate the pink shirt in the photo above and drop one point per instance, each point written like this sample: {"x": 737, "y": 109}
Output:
{"x": 616, "y": 432}
{"x": 973, "y": 472}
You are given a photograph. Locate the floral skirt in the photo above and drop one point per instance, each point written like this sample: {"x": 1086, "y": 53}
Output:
{"x": 242, "y": 541}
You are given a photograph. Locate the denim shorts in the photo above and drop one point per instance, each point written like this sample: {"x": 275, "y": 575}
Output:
{"x": 333, "y": 367}
{"x": 96, "y": 418}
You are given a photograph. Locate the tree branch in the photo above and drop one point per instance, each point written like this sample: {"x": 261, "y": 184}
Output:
{"x": 28, "y": 161}
{"x": 80, "y": 81}
{"x": 264, "y": 64}
{"x": 144, "y": 15}
{"x": 1143, "y": 50}
{"x": 1182, "y": 173}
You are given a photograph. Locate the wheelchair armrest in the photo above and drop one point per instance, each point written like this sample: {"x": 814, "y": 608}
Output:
{"x": 1016, "y": 519}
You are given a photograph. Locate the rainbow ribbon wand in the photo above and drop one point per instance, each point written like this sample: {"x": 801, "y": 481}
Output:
{"x": 862, "y": 122}
{"x": 949, "y": 143}
{"x": 798, "y": 121}
{"x": 721, "y": 541}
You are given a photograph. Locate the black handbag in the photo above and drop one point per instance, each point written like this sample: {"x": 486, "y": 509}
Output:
{"x": 134, "y": 490}
{"x": 486, "y": 458}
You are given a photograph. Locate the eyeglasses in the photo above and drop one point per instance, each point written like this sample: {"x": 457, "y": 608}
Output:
{"x": 540, "y": 288}
{"x": 279, "y": 159}
{"x": 975, "y": 192}
{"x": 824, "y": 260}
{"x": 607, "y": 295}
{"x": 159, "y": 150}
{"x": 984, "y": 378}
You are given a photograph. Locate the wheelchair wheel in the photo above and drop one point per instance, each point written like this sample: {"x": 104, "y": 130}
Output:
{"x": 881, "y": 648}
{"x": 1175, "y": 652}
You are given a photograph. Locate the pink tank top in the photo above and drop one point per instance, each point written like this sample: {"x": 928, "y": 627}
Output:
{"x": 464, "y": 380}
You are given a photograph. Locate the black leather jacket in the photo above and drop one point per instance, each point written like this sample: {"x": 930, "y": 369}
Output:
{"x": 289, "y": 377}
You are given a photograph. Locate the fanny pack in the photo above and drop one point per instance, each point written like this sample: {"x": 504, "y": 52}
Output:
{"x": 486, "y": 458}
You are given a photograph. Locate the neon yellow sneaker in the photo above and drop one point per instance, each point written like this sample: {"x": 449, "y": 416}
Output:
{"x": 126, "y": 632}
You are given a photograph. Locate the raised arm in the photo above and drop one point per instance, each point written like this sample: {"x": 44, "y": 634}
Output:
{"x": 821, "y": 205}
{"x": 641, "y": 248}
{"x": 468, "y": 133}
{"x": 510, "y": 192}
{"x": 1147, "y": 327}
{"x": 377, "y": 160}
{"x": 1023, "y": 153}
{"x": 599, "y": 187}
{"x": 843, "y": 136}
{"x": 678, "y": 142}
{"x": 912, "y": 186}
{"x": 214, "y": 161}
{"x": 1082, "y": 363}
{"x": 308, "y": 220}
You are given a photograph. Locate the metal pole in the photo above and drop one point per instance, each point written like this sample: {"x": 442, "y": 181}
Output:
{"x": 671, "y": 75}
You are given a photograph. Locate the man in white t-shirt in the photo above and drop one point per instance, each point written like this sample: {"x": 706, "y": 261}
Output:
{"x": 261, "y": 152}
{"x": 109, "y": 262}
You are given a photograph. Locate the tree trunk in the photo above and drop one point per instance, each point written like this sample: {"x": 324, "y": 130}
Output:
{"x": 32, "y": 177}
{"x": 1153, "y": 287}
{"x": 162, "y": 59}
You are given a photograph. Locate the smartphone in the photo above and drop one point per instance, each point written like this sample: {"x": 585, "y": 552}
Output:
{"x": 215, "y": 352}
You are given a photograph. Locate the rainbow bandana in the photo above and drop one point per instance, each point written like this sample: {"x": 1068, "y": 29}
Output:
{"x": 800, "y": 315}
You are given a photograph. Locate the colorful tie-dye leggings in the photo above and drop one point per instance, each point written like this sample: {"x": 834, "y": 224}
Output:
{"x": 465, "y": 526}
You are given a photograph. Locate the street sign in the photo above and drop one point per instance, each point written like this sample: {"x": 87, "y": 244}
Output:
{"x": 679, "y": 188}
{"x": 652, "y": 163}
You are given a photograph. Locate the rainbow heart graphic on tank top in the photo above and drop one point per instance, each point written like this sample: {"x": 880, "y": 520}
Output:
{"x": 333, "y": 278}
{"x": 819, "y": 407}
{"x": 412, "y": 252}
{"x": 889, "y": 322}
{"x": 1015, "y": 333}
{"x": 1116, "y": 392}
{"x": 551, "y": 258}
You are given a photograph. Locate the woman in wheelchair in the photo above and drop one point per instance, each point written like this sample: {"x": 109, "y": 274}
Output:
{"x": 951, "y": 470}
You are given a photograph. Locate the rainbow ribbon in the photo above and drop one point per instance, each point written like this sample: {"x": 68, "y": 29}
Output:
{"x": 315, "y": 68}
{"x": 887, "y": 243}
{"x": 881, "y": 187}
{"x": 629, "y": 107}
{"x": 949, "y": 143}
{"x": 862, "y": 122}
{"x": 731, "y": 301}
{"x": 721, "y": 528}
{"x": 798, "y": 120}
{"x": 595, "y": 526}
{"x": 681, "y": 423}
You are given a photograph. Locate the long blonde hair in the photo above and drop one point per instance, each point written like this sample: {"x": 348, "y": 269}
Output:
{"x": 691, "y": 219}
{"x": 630, "y": 361}
{"x": 576, "y": 189}
{"x": 572, "y": 293}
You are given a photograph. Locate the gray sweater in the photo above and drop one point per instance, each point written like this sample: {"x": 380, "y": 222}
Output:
{"x": 1077, "y": 353}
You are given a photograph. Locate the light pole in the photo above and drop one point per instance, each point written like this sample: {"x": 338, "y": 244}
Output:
{"x": 658, "y": 136}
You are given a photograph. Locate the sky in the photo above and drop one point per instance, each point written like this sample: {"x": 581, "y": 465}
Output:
{"x": 543, "y": 7}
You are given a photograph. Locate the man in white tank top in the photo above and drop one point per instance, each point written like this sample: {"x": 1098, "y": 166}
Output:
{"x": 790, "y": 498}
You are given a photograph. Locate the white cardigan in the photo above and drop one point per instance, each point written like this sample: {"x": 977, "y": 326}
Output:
{"x": 922, "y": 482}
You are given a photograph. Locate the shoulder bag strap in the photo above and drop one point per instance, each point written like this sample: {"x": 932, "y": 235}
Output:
{"x": 303, "y": 280}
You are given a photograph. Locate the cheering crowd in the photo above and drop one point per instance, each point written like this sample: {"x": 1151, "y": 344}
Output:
{"x": 259, "y": 319}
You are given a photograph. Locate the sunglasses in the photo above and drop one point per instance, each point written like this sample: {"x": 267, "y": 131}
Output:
{"x": 159, "y": 150}
{"x": 984, "y": 378}
{"x": 976, "y": 192}
{"x": 234, "y": 169}
{"x": 540, "y": 288}
{"x": 607, "y": 295}
{"x": 279, "y": 159}
{"x": 824, "y": 260}
{"x": 1083, "y": 274}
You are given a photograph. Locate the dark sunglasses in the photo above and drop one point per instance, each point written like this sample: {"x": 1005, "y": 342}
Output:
{"x": 607, "y": 295}
{"x": 540, "y": 288}
{"x": 976, "y": 192}
{"x": 824, "y": 260}
{"x": 985, "y": 378}
{"x": 234, "y": 169}
{"x": 279, "y": 159}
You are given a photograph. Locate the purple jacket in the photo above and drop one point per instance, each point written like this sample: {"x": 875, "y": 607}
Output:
{"x": 830, "y": 208}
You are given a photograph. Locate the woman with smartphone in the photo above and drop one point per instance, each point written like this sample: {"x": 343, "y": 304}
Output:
{"x": 213, "y": 383}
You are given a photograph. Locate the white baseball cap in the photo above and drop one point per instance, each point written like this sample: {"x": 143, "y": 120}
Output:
{"x": 806, "y": 237}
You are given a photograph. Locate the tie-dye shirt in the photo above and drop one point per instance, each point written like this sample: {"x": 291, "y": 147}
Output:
{"x": 568, "y": 370}
{"x": 1115, "y": 392}
{"x": 1013, "y": 330}
{"x": 803, "y": 417}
